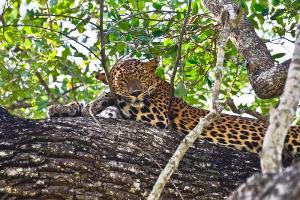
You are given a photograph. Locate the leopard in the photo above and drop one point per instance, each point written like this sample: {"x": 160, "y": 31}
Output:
{"x": 143, "y": 96}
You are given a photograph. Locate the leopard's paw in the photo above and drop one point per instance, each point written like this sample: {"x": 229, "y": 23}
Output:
{"x": 72, "y": 109}
{"x": 110, "y": 112}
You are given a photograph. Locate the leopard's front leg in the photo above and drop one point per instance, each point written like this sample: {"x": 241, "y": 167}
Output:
{"x": 75, "y": 109}
{"x": 97, "y": 106}
{"x": 72, "y": 109}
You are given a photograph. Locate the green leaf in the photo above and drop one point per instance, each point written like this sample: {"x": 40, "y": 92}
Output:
{"x": 27, "y": 44}
{"x": 277, "y": 13}
{"x": 66, "y": 52}
{"x": 260, "y": 8}
{"x": 137, "y": 5}
{"x": 157, "y": 32}
{"x": 275, "y": 2}
{"x": 180, "y": 90}
{"x": 202, "y": 97}
{"x": 124, "y": 25}
{"x": 157, "y": 6}
{"x": 278, "y": 55}
{"x": 280, "y": 31}
{"x": 160, "y": 72}
{"x": 195, "y": 8}
{"x": 135, "y": 22}
{"x": 293, "y": 33}
{"x": 113, "y": 36}
{"x": 121, "y": 46}
{"x": 260, "y": 18}
{"x": 253, "y": 22}
{"x": 208, "y": 81}
{"x": 80, "y": 28}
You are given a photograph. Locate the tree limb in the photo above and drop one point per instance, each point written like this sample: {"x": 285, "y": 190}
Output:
{"x": 72, "y": 158}
{"x": 262, "y": 71}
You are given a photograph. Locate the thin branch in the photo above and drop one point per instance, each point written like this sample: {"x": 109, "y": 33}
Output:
{"x": 49, "y": 15}
{"x": 188, "y": 141}
{"x": 66, "y": 16}
{"x": 282, "y": 117}
{"x": 71, "y": 38}
{"x": 178, "y": 57}
{"x": 66, "y": 92}
{"x": 103, "y": 59}
{"x": 230, "y": 103}
{"x": 45, "y": 85}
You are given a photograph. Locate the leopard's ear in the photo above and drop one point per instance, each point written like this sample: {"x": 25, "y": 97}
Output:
{"x": 151, "y": 65}
{"x": 101, "y": 77}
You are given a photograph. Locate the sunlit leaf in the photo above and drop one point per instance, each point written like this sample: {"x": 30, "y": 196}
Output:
{"x": 180, "y": 90}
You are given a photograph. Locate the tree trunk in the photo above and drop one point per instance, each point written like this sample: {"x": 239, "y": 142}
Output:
{"x": 262, "y": 71}
{"x": 76, "y": 158}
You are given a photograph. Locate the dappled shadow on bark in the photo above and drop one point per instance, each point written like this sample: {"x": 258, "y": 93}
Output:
{"x": 76, "y": 158}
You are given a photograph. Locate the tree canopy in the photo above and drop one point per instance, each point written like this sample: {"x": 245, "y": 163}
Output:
{"x": 50, "y": 50}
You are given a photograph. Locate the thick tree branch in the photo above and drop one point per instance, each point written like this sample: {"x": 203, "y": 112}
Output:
{"x": 72, "y": 158}
{"x": 262, "y": 71}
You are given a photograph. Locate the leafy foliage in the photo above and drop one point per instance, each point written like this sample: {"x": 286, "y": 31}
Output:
{"x": 49, "y": 50}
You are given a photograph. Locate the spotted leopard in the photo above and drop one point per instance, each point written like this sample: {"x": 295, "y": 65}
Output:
{"x": 142, "y": 96}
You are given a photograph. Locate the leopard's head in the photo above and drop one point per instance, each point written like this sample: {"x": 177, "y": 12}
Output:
{"x": 133, "y": 79}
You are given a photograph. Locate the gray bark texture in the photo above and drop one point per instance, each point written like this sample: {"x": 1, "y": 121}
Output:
{"x": 74, "y": 158}
{"x": 281, "y": 186}
{"x": 262, "y": 71}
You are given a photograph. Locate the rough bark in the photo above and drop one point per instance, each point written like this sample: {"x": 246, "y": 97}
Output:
{"x": 282, "y": 186}
{"x": 262, "y": 71}
{"x": 74, "y": 158}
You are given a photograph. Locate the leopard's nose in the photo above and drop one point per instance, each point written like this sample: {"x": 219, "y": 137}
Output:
{"x": 136, "y": 93}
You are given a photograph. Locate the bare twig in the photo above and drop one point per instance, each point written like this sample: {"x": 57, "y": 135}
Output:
{"x": 55, "y": 31}
{"x": 282, "y": 117}
{"x": 49, "y": 15}
{"x": 229, "y": 102}
{"x": 45, "y": 85}
{"x": 65, "y": 16}
{"x": 188, "y": 141}
{"x": 178, "y": 57}
{"x": 174, "y": 161}
{"x": 103, "y": 59}
{"x": 66, "y": 92}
